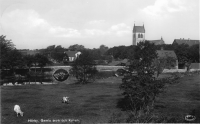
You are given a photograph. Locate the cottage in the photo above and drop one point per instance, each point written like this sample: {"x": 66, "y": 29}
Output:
{"x": 167, "y": 53}
{"x": 72, "y": 55}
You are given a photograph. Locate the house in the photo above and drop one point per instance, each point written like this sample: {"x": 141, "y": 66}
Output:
{"x": 72, "y": 55}
{"x": 186, "y": 41}
{"x": 167, "y": 53}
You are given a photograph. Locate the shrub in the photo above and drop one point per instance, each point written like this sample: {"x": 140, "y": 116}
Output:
{"x": 84, "y": 68}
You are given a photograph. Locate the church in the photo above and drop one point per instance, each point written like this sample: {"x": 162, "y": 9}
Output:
{"x": 139, "y": 35}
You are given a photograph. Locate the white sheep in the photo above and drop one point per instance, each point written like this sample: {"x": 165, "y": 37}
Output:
{"x": 18, "y": 110}
{"x": 65, "y": 99}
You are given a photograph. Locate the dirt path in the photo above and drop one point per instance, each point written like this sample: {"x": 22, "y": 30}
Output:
{"x": 182, "y": 98}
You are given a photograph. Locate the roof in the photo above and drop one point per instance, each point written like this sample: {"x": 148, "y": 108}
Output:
{"x": 71, "y": 53}
{"x": 157, "y": 42}
{"x": 139, "y": 29}
{"x": 186, "y": 41}
{"x": 166, "y": 53}
{"x": 114, "y": 63}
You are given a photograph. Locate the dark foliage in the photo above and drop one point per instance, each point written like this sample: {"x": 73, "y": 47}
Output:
{"x": 84, "y": 68}
{"x": 141, "y": 89}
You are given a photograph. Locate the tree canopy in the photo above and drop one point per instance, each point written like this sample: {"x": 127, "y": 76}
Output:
{"x": 84, "y": 67}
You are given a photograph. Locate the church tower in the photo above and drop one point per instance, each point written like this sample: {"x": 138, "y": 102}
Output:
{"x": 138, "y": 34}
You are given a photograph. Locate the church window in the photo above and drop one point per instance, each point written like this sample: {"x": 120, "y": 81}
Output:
{"x": 138, "y": 35}
{"x": 141, "y": 35}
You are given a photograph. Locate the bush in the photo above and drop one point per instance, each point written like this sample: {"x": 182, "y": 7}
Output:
{"x": 84, "y": 68}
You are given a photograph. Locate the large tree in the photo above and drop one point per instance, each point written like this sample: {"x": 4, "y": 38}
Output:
{"x": 10, "y": 57}
{"x": 55, "y": 52}
{"x": 140, "y": 88}
{"x": 194, "y": 53}
{"x": 76, "y": 47}
{"x": 41, "y": 60}
{"x": 6, "y": 47}
{"x": 84, "y": 67}
{"x": 103, "y": 49}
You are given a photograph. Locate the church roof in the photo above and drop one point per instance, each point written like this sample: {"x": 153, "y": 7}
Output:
{"x": 139, "y": 29}
{"x": 157, "y": 42}
{"x": 186, "y": 41}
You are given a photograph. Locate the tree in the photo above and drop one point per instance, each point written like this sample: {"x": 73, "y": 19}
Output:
{"x": 10, "y": 57}
{"x": 194, "y": 53}
{"x": 41, "y": 60}
{"x": 55, "y": 53}
{"x": 84, "y": 67}
{"x": 29, "y": 61}
{"x": 58, "y": 53}
{"x": 182, "y": 52}
{"x": 162, "y": 63}
{"x": 103, "y": 49}
{"x": 140, "y": 89}
{"x": 13, "y": 60}
{"x": 6, "y": 47}
{"x": 76, "y": 47}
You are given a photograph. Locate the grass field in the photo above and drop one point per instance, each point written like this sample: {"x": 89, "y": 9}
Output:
{"x": 91, "y": 103}
{"x": 182, "y": 98}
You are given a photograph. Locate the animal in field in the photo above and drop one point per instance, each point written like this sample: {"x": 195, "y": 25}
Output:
{"x": 65, "y": 100}
{"x": 18, "y": 110}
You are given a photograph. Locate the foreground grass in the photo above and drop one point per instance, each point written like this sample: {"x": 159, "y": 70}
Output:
{"x": 89, "y": 103}
{"x": 92, "y": 103}
{"x": 181, "y": 99}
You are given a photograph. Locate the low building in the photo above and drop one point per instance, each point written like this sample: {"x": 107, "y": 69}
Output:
{"x": 72, "y": 55}
{"x": 167, "y": 53}
{"x": 186, "y": 41}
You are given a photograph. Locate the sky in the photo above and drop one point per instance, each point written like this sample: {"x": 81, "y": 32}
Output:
{"x": 37, "y": 24}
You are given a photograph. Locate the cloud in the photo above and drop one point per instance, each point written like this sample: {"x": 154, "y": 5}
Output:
{"x": 28, "y": 22}
{"x": 120, "y": 29}
{"x": 28, "y": 29}
{"x": 95, "y": 32}
{"x": 58, "y": 31}
{"x": 163, "y": 7}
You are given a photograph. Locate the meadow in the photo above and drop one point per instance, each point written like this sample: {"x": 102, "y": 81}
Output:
{"x": 93, "y": 102}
